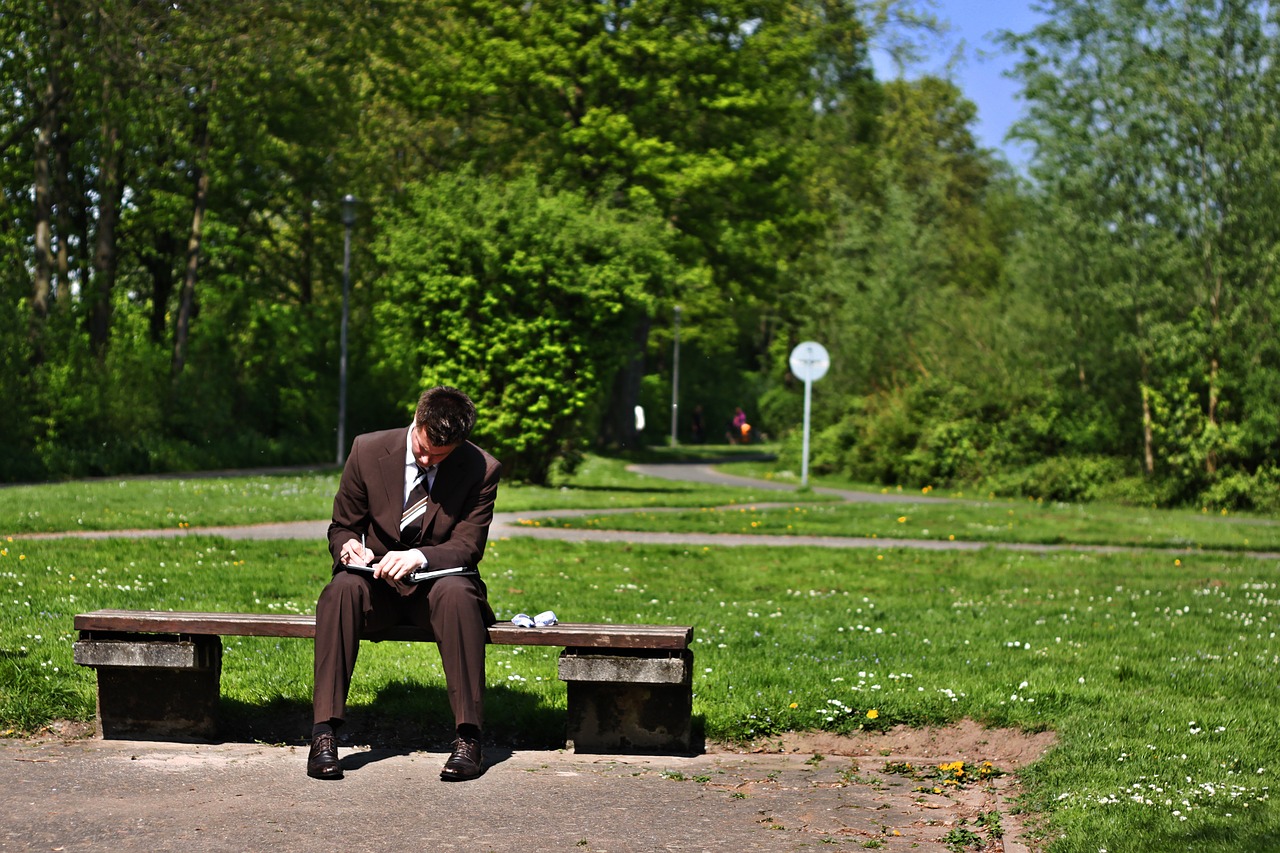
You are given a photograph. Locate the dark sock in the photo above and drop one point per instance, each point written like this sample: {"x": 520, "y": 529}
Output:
{"x": 469, "y": 731}
{"x": 328, "y": 727}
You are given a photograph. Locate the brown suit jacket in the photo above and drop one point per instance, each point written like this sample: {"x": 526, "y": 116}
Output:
{"x": 370, "y": 499}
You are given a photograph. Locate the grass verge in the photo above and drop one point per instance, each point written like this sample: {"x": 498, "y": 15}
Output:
{"x": 1025, "y": 522}
{"x": 182, "y": 501}
{"x": 1157, "y": 674}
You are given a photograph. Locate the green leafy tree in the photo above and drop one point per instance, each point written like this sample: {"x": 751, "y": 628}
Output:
{"x": 520, "y": 296}
{"x": 703, "y": 110}
{"x": 1155, "y": 140}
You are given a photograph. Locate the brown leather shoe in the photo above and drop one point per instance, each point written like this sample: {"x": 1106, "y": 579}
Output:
{"x": 466, "y": 763}
{"x": 322, "y": 763}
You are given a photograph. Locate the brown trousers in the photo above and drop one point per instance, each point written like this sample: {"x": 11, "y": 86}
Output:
{"x": 354, "y": 605}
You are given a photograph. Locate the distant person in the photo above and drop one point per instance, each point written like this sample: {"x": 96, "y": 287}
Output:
{"x": 697, "y": 427}
{"x": 409, "y": 499}
{"x": 739, "y": 429}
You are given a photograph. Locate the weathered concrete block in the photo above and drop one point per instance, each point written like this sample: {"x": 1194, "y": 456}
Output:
{"x": 628, "y": 704}
{"x": 173, "y": 700}
{"x": 638, "y": 670}
{"x": 181, "y": 654}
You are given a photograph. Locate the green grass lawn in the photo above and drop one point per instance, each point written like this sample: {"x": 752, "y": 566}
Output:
{"x": 178, "y": 502}
{"x": 1158, "y": 674}
{"x": 977, "y": 521}
{"x": 1157, "y": 671}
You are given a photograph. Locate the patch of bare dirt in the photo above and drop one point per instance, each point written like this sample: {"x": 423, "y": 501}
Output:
{"x": 1007, "y": 749}
{"x": 884, "y": 789}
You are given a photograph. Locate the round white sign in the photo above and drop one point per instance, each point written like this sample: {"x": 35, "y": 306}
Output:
{"x": 809, "y": 361}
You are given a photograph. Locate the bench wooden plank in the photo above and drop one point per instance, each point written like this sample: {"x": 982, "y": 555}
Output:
{"x": 567, "y": 634}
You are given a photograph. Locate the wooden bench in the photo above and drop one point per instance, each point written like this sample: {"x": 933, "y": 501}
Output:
{"x": 629, "y": 686}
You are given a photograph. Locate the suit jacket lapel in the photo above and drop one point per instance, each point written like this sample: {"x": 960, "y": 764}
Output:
{"x": 390, "y": 505}
{"x": 433, "y": 505}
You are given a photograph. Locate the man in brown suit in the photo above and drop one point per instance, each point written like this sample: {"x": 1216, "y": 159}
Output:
{"x": 409, "y": 499}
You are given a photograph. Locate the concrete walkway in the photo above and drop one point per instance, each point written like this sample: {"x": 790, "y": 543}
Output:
{"x": 142, "y": 797}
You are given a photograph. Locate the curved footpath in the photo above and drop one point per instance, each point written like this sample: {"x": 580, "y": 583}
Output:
{"x": 88, "y": 794}
{"x": 511, "y": 524}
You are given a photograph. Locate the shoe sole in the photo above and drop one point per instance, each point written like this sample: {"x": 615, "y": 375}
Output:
{"x": 458, "y": 777}
{"x": 337, "y": 775}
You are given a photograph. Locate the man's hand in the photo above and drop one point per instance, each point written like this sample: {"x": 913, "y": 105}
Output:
{"x": 355, "y": 554}
{"x": 396, "y": 565}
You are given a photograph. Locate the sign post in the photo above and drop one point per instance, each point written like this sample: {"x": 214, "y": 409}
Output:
{"x": 809, "y": 361}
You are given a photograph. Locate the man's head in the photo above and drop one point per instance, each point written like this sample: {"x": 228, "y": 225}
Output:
{"x": 444, "y": 419}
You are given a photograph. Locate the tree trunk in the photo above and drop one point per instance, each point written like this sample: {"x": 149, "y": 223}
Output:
{"x": 620, "y": 425}
{"x": 1213, "y": 277}
{"x": 42, "y": 279}
{"x": 186, "y": 303}
{"x": 306, "y": 249}
{"x": 160, "y": 265}
{"x": 1148, "y": 451}
{"x": 110, "y": 197}
{"x": 63, "y": 203}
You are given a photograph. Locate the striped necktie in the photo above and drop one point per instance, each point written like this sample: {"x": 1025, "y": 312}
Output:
{"x": 416, "y": 505}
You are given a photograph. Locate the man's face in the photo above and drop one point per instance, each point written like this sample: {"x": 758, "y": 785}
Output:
{"x": 426, "y": 453}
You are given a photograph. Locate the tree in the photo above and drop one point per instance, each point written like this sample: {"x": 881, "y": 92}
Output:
{"x": 703, "y": 110}
{"x": 1154, "y": 131}
{"x": 521, "y": 296}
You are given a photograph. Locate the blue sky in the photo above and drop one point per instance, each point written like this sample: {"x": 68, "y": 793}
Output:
{"x": 980, "y": 73}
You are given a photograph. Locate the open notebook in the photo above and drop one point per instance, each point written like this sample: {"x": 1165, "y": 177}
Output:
{"x": 420, "y": 575}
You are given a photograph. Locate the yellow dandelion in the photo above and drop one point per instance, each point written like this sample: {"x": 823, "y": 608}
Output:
{"x": 873, "y": 714}
{"x": 902, "y": 519}
{"x": 794, "y": 705}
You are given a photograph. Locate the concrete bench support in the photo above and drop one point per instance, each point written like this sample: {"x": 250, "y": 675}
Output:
{"x": 156, "y": 687}
{"x": 625, "y": 702}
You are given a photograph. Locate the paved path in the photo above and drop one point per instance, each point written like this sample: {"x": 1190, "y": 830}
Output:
{"x": 513, "y": 524}
{"x": 142, "y": 797}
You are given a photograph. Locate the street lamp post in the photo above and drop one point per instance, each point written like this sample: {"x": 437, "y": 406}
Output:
{"x": 348, "y": 220}
{"x": 675, "y": 382}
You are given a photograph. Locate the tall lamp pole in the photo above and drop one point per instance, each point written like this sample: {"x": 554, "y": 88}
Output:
{"x": 675, "y": 383}
{"x": 348, "y": 220}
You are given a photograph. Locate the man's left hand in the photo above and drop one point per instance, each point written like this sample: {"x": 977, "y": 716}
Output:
{"x": 396, "y": 565}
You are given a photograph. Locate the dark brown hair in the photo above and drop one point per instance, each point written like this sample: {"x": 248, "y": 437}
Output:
{"x": 447, "y": 415}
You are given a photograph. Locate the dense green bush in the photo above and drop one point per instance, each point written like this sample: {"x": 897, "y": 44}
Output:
{"x": 525, "y": 298}
{"x": 1060, "y": 478}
